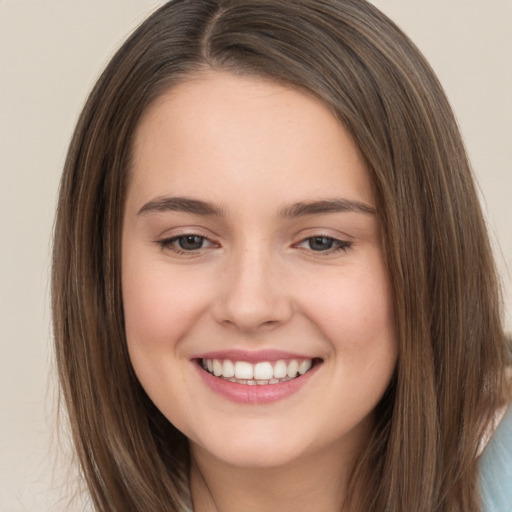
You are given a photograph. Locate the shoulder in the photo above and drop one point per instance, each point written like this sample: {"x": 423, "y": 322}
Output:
{"x": 496, "y": 467}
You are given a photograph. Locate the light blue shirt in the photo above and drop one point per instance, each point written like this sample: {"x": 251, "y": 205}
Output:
{"x": 496, "y": 468}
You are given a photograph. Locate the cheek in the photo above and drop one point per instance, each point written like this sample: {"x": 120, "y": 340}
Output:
{"x": 354, "y": 311}
{"x": 355, "y": 308}
{"x": 160, "y": 305}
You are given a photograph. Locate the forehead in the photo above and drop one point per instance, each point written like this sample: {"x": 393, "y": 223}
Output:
{"x": 244, "y": 131}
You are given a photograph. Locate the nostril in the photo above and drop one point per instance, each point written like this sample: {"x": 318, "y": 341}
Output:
{"x": 251, "y": 321}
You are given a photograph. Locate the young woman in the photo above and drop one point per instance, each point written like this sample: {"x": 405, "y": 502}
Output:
{"x": 272, "y": 284}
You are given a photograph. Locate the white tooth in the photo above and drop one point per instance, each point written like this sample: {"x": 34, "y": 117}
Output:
{"x": 243, "y": 370}
{"x": 280, "y": 370}
{"x": 293, "y": 368}
{"x": 304, "y": 366}
{"x": 209, "y": 365}
{"x": 251, "y": 382}
{"x": 205, "y": 366}
{"x": 263, "y": 371}
{"x": 273, "y": 381}
{"x": 228, "y": 369}
{"x": 217, "y": 367}
{"x": 261, "y": 382}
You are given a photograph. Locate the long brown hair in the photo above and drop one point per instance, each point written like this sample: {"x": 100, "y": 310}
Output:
{"x": 449, "y": 380}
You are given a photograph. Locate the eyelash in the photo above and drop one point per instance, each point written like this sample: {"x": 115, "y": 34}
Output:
{"x": 336, "y": 244}
{"x": 172, "y": 243}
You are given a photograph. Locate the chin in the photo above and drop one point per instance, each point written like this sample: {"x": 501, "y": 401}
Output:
{"x": 261, "y": 450}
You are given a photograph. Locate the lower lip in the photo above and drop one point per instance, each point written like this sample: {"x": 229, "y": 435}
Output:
{"x": 255, "y": 394}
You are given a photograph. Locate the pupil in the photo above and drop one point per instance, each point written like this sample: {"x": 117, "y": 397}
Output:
{"x": 320, "y": 243}
{"x": 190, "y": 243}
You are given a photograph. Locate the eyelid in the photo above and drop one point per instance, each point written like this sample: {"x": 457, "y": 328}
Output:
{"x": 340, "y": 245}
{"x": 169, "y": 243}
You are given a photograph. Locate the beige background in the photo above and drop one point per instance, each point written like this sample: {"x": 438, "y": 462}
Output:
{"x": 51, "y": 51}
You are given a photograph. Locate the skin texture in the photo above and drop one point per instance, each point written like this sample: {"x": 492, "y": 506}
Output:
{"x": 252, "y": 148}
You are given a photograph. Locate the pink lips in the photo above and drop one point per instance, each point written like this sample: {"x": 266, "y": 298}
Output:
{"x": 256, "y": 394}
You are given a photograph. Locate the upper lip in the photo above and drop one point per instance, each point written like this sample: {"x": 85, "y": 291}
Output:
{"x": 252, "y": 356}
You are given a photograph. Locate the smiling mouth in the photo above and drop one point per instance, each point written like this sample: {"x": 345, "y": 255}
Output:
{"x": 258, "y": 374}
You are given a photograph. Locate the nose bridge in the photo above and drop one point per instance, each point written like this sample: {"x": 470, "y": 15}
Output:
{"x": 253, "y": 296}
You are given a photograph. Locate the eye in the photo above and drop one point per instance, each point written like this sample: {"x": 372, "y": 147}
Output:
{"x": 325, "y": 244}
{"x": 185, "y": 243}
{"x": 190, "y": 242}
{"x": 320, "y": 243}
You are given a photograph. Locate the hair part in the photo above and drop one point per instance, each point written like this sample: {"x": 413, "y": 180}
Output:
{"x": 449, "y": 379}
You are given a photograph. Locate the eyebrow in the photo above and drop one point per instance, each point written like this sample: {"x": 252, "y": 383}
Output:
{"x": 181, "y": 204}
{"x": 300, "y": 209}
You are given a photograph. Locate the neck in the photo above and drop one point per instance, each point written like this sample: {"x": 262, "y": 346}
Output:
{"x": 317, "y": 482}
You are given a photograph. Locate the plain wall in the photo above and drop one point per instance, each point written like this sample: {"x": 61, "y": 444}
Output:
{"x": 51, "y": 51}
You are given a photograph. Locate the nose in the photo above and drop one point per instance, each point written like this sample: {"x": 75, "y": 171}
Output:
{"x": 253, "y": 296}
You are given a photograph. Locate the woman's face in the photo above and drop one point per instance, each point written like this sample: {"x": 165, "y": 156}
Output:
{"x": 258, "y": 311}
